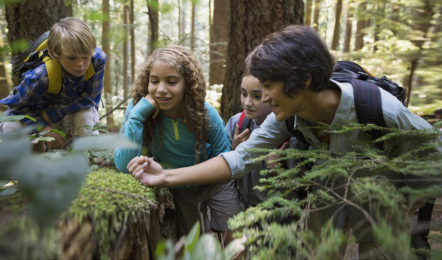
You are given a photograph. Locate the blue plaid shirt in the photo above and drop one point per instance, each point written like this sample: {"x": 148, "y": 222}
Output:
{"x": 30, "y": 97}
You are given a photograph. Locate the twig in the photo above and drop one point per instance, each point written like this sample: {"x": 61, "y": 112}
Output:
{"x": 115, "y": 108}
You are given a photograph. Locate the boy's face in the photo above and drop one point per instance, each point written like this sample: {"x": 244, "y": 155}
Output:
{"x": 75, "y": 65}
{"x": 282, "y": 105}
{"x": 251, "y": 93}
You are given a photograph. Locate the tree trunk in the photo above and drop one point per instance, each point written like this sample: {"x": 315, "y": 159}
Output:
{"x": 181, "y": 22}
{"x": 5, "y": 81}
{"x": 218, "y": 41}
{"x": 125, "y": 51}
{"x": 316, "y": 17}
{"x": 107, "y": 71}
{"x": 335, "y": 40}
{"x": 348, "y": 27}
{"x": 132, "y": 41}
{"x": 28, "y": 19}
{"x": 421, "y": 16}
{"x": 152, "y": 7}
{"x": 192, "y": 31}
{"x": 251, "y": 22}
{"x": 360, "y": 25}
{"x": 308, "y": 12}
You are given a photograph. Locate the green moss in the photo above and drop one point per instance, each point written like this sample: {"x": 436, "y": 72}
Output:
{"x": 107, "y": 191}
{"x": 108, "y": 199}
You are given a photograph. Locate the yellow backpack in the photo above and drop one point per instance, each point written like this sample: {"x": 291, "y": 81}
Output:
{"x": 34, "y": 55}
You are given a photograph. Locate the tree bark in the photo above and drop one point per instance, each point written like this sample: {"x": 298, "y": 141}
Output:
{"x": 107, "y": 71}
{"x": 125, "y": 51}
{"x": 218, "y": 41}
{"x": 28, "y": 19}
{"x": 348, "y": 27}
{"x": 360, "y": 25}
{"x": 316, "y": 17}
{"x": 192, "y": 30}
{"x": 251, "y": 22}
{"x": 335, "y": 40}
{"x": 153, "y": 23}
{"x": 421, "y": 16}
{"x": 132, "y": 41}
{"x": 308, "y": 12}
{"x": 5, "y": 81}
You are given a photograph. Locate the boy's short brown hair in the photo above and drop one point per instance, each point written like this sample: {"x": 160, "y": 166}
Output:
{"x": 71, "y": 36}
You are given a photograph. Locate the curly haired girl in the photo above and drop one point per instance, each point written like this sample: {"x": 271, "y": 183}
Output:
{"x": 169, "y": 116}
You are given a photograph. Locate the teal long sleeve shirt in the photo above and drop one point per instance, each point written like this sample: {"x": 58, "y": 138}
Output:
{"x": 177, "y": 148}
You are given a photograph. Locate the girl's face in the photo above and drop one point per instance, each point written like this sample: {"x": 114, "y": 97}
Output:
{"x": 251, "y": 93}
{"x": 167, "y": 86}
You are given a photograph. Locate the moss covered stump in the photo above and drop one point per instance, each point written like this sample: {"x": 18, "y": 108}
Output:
{"x": 113, "y": 217}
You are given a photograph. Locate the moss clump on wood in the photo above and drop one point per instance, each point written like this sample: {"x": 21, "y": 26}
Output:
{"x": 107, "y": 191}
{"x": 111, "y": 203}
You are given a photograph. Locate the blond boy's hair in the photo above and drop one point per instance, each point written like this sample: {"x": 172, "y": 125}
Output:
{"x": 72, "y": 37}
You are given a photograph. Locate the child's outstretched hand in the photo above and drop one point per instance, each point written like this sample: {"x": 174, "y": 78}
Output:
{"x": 147, "y": 171}
{"x": 239, "y": 137}
{"x": 149, "y": 98}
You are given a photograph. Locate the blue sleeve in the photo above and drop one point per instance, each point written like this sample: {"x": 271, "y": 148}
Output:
{"x": 132, "y": 128}
{"x": 29, "y": 97}
{"x": 218, "y": 139}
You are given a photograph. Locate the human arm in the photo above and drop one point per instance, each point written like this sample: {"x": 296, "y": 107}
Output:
{"x": 149, "y": 172}
{"x": 132, "y": 128}
{"x": 29, "y": 97}
{"x": 233, "y": 164}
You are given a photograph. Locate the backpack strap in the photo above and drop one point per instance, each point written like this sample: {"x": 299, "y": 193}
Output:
{"x": 244, "y": 121}
{"x": 289, "y": 123}
{"x": 54, "y": 75}
{"x": 368, "y": 103}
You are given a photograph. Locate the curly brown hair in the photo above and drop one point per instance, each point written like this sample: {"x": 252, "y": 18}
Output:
{"x": 194, "y": 112}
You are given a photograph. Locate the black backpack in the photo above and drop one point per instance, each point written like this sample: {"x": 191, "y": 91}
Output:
{"x": 367, "y": 96}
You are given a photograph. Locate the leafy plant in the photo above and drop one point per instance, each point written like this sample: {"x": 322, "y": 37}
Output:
{"x": 195, "y": 247}
{"x": 380, "y": 187}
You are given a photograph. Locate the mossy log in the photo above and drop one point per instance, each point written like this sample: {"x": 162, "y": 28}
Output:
{"x": 113, "y": 217}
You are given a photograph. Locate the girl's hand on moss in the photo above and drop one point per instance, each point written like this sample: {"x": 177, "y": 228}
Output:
{"x": 147, "y": 171}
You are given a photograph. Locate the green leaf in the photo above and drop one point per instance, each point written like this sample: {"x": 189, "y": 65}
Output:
{"x": 207, "y": 247}
{"x": 109, "y": 141}
{"x": 8, "y": 191}
{"x": 192, "y": 238}
{"x": 50, "y": 184}
{"x": 13, "y": 148}
{"x": 235, "y": 247}
{"x": 6, "y": 118}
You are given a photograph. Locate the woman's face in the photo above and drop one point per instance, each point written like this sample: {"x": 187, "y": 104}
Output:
{"x": 167, "y": 86}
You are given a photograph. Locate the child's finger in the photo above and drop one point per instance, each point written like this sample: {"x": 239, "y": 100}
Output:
{"x": 237, "y": 129}
{"x": 244, "y": 133}
{"x": 133, "y": 163}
